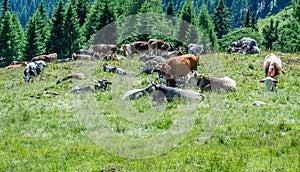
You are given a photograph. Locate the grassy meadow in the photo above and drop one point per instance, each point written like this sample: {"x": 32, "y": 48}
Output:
{"x": 45, "y": 127}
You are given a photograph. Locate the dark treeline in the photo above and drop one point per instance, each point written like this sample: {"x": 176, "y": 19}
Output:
{"x": 32, "y": 27}
{"x": 262, "y": 8}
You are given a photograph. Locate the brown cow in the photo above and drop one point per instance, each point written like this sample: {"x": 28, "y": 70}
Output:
{"x": 156, "y": 46}
{"x": 81, "y": 57}
{"x": 176, "y": 67}
{"x": 135, "y": 47}
{"x": 104, "y": 49}
{"x": 272, "y": 68}
{"x": 16, "y": 64}
{"x": 46, "y": 58}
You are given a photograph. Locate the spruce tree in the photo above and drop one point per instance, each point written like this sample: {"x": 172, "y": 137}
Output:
{"x": 56, "y": 41}
{"x": 204, "y": 18}
{"x": 11, "y": 38}
{"x": 37, "y": 33}
{"x": 247, "y": 19}
{"x": 100, "y": 15}
{"x": 82, "y": 10}
{"x": 4, "y": 8}
{"x": 221, "y": 19}
{"x": 188, "y": 12}
{"x": 270, "y": 33}
{"x": 72, "y": 34}
{"x": 253, "y": 22}
{"x": 296, "y": 9}
{"x": 170, "y": 8}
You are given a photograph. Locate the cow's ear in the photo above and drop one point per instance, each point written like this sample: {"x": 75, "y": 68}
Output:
{"x": 275, "y": 81}
{"x": 262, "y": 81}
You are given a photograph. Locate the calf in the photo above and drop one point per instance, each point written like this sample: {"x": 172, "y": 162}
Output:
{"x": 272, "y": 68}
{"x": 101, "y": 86}
{"x": 170, "y": 93}
{"x": 34, "y": 69}
{"x": 46, "y": 58}
{"x": 216, "y": 84}
{"x": 138, "y": 93}
{"x": 176, "y": 67}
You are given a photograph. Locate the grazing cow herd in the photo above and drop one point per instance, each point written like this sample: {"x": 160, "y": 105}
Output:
{"x": 174, "y": 68}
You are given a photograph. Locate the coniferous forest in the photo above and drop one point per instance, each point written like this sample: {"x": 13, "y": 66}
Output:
{"x": 32, "y": 27}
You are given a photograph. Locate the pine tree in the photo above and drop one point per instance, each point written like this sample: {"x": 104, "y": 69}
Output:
{"x": 151, "y": 6}
{"x": 296, "y": 9}
{"x": 270, "y": 33}
{"x": 170, "y": 8}
{"x": 188, "y": 12}
{"x": 56, "y": 42}
{"x": 11, "y": 38}
{"x": 204, "y": 18}
{"x": 37, "y": 33}
{"x": 71, "y": 29}
{"x": 4, "y": 8}
{"x": 99, "y": 15}
{"x": 19, "y": 42}
{"x": 253, "y": 22}
{"x": 82, "y": 10}
{"x": 221, "y": 19}
{"x": 206, "y": 25}
{"x": 247, "y": 19}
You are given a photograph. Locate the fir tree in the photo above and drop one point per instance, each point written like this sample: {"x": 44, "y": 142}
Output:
{"x": 188, "y": 12}
{"x": 253, "y": 22}
{"x": 37, "y": 33}
{"x": 82, "y": 10}
{"x": 11, "y": 38}
{"x": 270, "y": 33}
{"x": 56, "y": 42}
{"x": 296, "y": 9}
{"x": 151, "y": 6}
{"x": 71, "y": 29}
{"x": 221, "y": 19}
{"x": 247, "y": 19}
{"x": 4, "y": 8}
{"x": 170, "y": 8}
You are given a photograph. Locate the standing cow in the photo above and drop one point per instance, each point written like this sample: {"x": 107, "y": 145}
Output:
{"x": 272, "y": 68}
{"x": 137, "y": 47}
{"x": 177, "y": 67}
{"x": 34, "y": 69}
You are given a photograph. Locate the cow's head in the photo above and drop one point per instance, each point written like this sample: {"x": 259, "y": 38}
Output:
{"x": 270, "y": 83}
{"x": 26, "y": 75}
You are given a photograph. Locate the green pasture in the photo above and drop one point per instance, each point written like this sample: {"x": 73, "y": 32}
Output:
{"x": 45, "y": 127}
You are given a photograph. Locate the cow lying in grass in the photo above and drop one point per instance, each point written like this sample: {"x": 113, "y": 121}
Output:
{"x": 138, "y": 93}
{"x": 76, "y": 76}
{"x": 34, "y": 69}
{"x": 81, "y": 57}
{"x": 170, "y": 93}
{"x": 16, "y": 64}
{"x": 101, "y": 86}
{"x": 46, "y": 58}
{"x": 216, "y": 84}
{"x": 272, "y": 68}
{"x": 113, "y": 69}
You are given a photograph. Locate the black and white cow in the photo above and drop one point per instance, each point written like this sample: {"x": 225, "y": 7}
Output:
{"x": 33, "y": 69}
